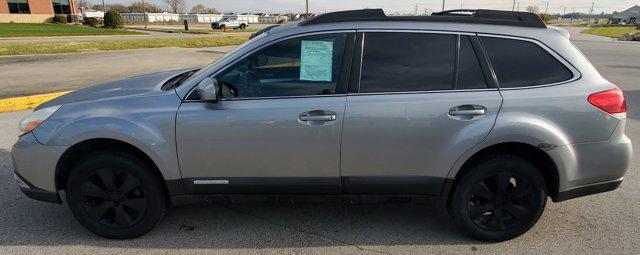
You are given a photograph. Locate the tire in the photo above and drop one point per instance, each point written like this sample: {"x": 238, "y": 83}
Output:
{"x": 243, "y": 26}
{"x": 115, "y": 195}
{"x": 500, "y": 198}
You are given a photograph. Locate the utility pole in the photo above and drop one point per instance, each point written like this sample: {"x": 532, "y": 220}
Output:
{"x": 307, "y": 9}
{"x": 443, "y": 5}
{"x": 546, "y": 10}
{"x": 103, "y": 9}
{"x": 514, "y": 5}
{"x": 591, "y": 12}
{"x": 144, "y": 14}
{"x": 415, "y": 10}
{"x": 518, "y": 6}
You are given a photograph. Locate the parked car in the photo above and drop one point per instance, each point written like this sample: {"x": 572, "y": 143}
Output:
{"x": 229, "y": 23}
{"x": 490, "y": 110}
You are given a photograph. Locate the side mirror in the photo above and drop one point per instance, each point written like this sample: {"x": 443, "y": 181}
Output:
{"x": 208, "y": 90}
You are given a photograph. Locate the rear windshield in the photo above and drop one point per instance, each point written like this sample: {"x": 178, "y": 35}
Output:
{"x": 519, "y": 63}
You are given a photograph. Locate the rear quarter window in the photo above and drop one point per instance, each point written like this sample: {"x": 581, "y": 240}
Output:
{"x": 519, "y": 63}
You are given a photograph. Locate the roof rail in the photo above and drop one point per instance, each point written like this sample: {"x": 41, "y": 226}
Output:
{"x": 492, "y": 17}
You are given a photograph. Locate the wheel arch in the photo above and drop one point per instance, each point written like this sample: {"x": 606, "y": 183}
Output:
{"x": 79, "y": 150}
{"x": 542, "y": 160}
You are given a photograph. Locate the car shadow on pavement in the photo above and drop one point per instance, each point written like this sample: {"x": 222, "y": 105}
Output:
{"x": 239, "y": 225}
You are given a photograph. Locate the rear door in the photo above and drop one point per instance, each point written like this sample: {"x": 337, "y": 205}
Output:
{"x": 422, "y": 100}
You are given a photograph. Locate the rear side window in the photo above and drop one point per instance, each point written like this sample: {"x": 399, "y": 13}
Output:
{"x": 520, "y": 63}
{"x": 398, "y": 62}
{"x": 470, "y": 74}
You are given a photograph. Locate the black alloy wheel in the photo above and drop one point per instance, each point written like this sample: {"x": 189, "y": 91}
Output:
{"x": 115, "y": 195}
{"x": 501, "y": 201}
{"x": 499, "y": 198}
{"x": 113, "y": 198}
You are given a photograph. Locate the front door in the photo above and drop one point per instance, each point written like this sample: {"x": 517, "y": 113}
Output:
{"x": 277, "y": 127}
{"x": 419, "y": 105}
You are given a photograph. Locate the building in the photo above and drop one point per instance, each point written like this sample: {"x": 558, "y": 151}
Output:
{"x": 34, "y": 11}
{"x": 630, "y": 16}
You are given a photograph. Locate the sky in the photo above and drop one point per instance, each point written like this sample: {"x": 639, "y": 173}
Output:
{"x": 395, "y": 6}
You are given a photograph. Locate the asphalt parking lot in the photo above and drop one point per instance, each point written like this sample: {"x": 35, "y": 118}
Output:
{"x": 602, "y": 224}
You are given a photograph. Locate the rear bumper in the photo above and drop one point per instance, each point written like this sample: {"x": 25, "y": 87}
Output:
{"x": 591, "y": 168}
{"x": 589, "y": 189}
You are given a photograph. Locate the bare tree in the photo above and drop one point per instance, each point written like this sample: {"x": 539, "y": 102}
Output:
{"x": 533, "y": 9}
{"x": 176, "y": 5}
{"x": 198, "y": 9}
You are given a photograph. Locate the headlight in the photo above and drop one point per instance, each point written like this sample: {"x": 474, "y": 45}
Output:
{"x": 34, "y": 119}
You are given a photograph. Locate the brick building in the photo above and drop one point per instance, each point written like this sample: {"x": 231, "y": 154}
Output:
{"x": 34, "y": 11}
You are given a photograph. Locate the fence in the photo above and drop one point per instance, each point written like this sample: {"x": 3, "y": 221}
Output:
{"x": 191, "y": 17}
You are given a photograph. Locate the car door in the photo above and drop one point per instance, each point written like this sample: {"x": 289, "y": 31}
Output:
{"x": 277, "y": 126}
{"x": 421, "y": 101}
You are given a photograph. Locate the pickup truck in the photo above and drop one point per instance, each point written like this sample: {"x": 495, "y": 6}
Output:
{"x": 229, "y": 23}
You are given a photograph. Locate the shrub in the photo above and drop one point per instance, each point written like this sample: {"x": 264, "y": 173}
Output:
{"x": 93, "y": 22}
{"x": 113, "y": 19}
{"x": 59, "y": 19}
{"x": 545, "y": 17}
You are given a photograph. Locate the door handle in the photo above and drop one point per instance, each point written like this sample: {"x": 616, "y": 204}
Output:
{"x": 326, "y": 117}
{"x": 474, "y": 112}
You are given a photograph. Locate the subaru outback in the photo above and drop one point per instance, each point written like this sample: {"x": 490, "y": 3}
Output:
{"x": 493, "y": 111}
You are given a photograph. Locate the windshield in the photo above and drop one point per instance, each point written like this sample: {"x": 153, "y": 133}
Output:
{"x": 242, "y": 46}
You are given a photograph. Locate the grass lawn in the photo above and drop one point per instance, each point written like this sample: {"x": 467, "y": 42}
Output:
{"x": 92, "y": 46}
{"x": 33, "y": 30}
{"x": 611, "y": 31}
{"x": 200, "y": 31}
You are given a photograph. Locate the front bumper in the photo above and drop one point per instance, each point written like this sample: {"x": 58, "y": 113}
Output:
{"x": 35, "y": 168}
{"x": 36, "y": 193}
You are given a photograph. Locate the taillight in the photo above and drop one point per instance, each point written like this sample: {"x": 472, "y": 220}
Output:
{"x": 611, "y": 101}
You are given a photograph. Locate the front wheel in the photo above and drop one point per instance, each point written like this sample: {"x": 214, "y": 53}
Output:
{"x": 115, "y": 195}
{"x": 500, "y": 198}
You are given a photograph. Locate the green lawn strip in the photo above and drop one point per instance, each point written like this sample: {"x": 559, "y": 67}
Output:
{"x": 34, "y": 30}
{"x": 611, "y": 31}
{"x": 198, "y": 30}
{"x": 92, "y": 46}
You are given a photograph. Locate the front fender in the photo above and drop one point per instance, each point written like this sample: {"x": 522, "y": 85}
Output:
{"x": 147, "y": 124}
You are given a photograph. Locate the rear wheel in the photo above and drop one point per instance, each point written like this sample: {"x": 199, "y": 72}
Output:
{"x": 500, "y": 198}
{"x": 115, "y": 195}
{"x": 243, "y": 26}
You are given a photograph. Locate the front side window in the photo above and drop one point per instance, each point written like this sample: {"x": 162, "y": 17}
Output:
{"x": 399, "y": 62}
{"x": 302, "y": 66}
{"x": 18, "y": 6}
{"x": 519, "y": 63}
{"x": 61, "y": 6}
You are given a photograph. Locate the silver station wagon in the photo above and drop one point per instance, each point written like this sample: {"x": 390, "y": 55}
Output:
{"x": 493, "y": 111}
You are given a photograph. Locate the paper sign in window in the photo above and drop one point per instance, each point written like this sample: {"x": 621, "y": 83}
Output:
{"x": 316, "y": 60}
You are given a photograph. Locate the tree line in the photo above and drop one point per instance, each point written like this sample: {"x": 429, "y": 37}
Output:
{"x": 175, "y": 6}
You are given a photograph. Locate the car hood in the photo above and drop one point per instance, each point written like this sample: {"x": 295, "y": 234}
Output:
{"x": 135, "y": 86}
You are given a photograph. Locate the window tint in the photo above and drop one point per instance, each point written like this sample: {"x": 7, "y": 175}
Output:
{"x": 520, "y": 63}
{"x": 470, "y": 74}
{"x": 296, "y": 67}
{"x": 18, "y": 6}
{"x": 61, "y": 6}
{"x": 394, "y": 62}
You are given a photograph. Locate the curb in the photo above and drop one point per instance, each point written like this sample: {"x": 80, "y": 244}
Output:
{"x": 27, "y": 102}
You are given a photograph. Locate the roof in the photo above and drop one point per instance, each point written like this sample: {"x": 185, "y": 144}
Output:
{"x": 492, "y": 17}
{"x": 631, "y": 12}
